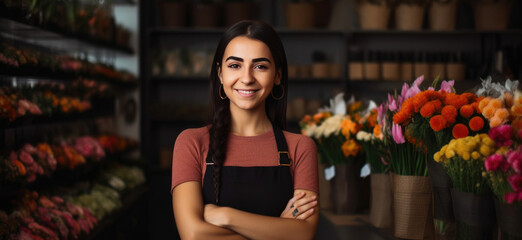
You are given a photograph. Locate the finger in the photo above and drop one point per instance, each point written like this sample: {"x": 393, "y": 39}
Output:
{"x": 306, "y": 215}
{"x": 307, "y": 206}
{"x": 293, "y": 199}
{"x": 303, "y": 201}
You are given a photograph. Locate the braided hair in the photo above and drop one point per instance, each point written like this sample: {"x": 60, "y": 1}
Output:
{"x": 220, "y": 108}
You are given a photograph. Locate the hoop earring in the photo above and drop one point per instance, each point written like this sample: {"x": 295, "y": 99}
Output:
{"x": 282, "y": 94}
{"x": 219, "y": 91}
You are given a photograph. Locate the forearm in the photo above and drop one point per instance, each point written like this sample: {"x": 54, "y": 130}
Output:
{"x": 255, "y": 226}
{"x": 204, "y": 230}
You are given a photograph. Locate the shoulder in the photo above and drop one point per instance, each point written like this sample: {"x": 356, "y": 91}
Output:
{"x": 299, "y": 140}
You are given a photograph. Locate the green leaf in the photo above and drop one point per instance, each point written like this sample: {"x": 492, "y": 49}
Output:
{"x": 435, "y": 82}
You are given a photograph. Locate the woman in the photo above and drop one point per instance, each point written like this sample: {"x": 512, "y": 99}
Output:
{"x": 243, "y": 176}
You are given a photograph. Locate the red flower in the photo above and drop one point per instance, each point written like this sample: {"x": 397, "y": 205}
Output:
{"x": 427, "y": 110}
{"x": 466, "y": 111}
{"x": 460, "y": 130}
{"x": 438, "y": 123}
{"x": 476, "y": 123}
{"x": 515, "y": 181}
{"x": 449, "y": 112}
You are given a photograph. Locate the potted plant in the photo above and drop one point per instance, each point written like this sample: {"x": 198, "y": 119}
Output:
{"x": 373, "y": 14}
{"x": 173, "y": 13}
{"x": 299, "y": 14}
{"x": 237, "y": 10}
{"x": 442, "y": 14}
{"x": 409, "y": 14}
{"x": 205, "y": 13}
{"x": 491, "y": 14}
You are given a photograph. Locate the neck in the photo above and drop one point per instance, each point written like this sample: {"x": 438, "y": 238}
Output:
{"x": 250, "y": 123}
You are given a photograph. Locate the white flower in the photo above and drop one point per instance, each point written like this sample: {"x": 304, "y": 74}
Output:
{"x": 368, "y": 137}
{"x": 361, "y": 135}
{"x": 337, "y": 105}
{"x": 310, "y": 130}
{"x": 329, "y": 126}
{"x": 496, "y": 89}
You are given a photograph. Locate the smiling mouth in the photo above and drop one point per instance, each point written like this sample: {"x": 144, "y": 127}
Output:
{"x": 246, "y": 93}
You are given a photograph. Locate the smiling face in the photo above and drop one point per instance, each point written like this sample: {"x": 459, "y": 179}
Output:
{"x": 248, "y": 74}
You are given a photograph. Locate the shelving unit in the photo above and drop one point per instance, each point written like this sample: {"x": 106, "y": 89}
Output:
{"x": 30, "y": 129}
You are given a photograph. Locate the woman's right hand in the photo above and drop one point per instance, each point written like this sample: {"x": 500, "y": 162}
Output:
{"x": 300, "y": 206}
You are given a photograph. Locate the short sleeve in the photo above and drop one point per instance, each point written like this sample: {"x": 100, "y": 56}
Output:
{"x": 186, "y": 159}
{"x": 305, "y": 172}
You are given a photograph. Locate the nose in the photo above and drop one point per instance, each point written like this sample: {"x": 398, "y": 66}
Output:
{"x": 248, "y": 76}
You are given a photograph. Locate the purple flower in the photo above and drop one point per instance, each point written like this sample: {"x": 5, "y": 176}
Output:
{"x": 515, "y": 181}
{"x": 393, "y": 105}
{"x": 493, "y": 162}
{"x": 398, "y": 137}
{"x": 446, "y": 86}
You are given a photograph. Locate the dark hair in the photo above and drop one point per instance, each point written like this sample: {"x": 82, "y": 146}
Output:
{"x": 220, "y": 108}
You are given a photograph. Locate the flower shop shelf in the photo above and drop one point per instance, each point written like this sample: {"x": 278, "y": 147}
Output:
{"x": 121, "y": 220}
{"x": 219, "y": 31}
{"x": 61, "y": 41}
{"x": 432, "y": 32}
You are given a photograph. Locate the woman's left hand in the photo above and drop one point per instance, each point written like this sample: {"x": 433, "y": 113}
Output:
{"x": 214, "y": 215}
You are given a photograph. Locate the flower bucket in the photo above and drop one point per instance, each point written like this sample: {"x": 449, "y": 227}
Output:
{"x": 443, "y": 215}
{"x": 205, "y": 15}
{"x": 381, "y": 202}
{"x": 299, "y": 15}
{"x": 475, "y": 214}
{"x": 173, "y": 14}
{"x": 324, "y": 188}
{"x": 492, "y": 15}
{"x": 237, "y": 11}
{"x": 509, "y": 218}
{"x": 412, "y": 206}
{"x": 345, "y": 189}
{"x": 442, "y": 16}
{"x": 373, "y": 16}
{"x": 409, "y": 17}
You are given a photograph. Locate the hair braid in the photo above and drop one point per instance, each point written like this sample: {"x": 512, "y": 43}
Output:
{"x": 219, "y": 136}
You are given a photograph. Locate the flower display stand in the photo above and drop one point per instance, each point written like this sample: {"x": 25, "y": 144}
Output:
{"x": 381, "y": 201}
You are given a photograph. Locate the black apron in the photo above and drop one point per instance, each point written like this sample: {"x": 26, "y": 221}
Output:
{"x": 259, "y": 190}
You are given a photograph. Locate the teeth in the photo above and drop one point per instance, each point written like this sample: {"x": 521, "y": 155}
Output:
{"x": 245, "y": 91}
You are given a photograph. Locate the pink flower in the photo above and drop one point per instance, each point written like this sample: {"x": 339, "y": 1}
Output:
{"x": 493, "y": 162}
{"x": 52, "y": 161}
{"x": 30, "y": 149}
{"x": 502, "y": 135}
{"x": 515, "y": 181}
{"x": 393, "y": 105}
{"x": 384, "y": 161}
{"x": 397, "y": 134}
{"x": 510, "y": 197}
{"x": 514, "y": 158}
{"x": 404, "y": 89}
{"x": 414, "y": 89}
{"x": 26, "y": 158}
{"x": 34, "y": 109}
{"x": 446, "y": 86}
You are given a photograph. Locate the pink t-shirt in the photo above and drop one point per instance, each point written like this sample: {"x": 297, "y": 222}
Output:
{"x": 191, "y": 148}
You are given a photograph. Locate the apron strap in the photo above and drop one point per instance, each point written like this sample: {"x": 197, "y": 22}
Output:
{"x": 282, "y": 148}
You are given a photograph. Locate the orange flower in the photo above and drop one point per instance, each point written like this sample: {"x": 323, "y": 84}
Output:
{"x": 21, "y": 168}
{"x": 460, "y": 130}
{"x": 456, "y": 100}
{"x": 495, "y": 122}
{"x": 496, "y": 103}
{"x": 516, "y": 110}
{"x": 508, "y": 99}
{"x": 449, "y": 112}
{"x": 483, "y": 103}
{"x": 350, "y": 148}
{"x": 502, "y": 113}
{"x": 427, "y": 110}
{"x": 318, "y": 116}
{"x": 475, "y": 106}
{"x": 438, "y": 123}
{"x": 488, "y": 111}
{"x": 348, "y": 126}
{"x": 517, "y": 124}
{"x": 470, "y": 96}
{"x": 466, "y": 111}
{"x": 377, "y": 131}
{"x": 476, "y": 123}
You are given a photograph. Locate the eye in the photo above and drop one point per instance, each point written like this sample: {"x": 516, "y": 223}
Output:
{"x": 233, "y": 65}
{"x": 260, "y": 66}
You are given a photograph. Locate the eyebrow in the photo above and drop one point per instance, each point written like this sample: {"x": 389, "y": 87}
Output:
{"x": 253, "y": 60}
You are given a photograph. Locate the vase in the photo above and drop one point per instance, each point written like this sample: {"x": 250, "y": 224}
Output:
{"x": 443, "y": 15}
{"x": 409, "y": 17}
{"x": 490, "y": 15}
{"x": 324, "y": 188}
{"x": 345, "y": 189}
{"x": 373, "y": 16}
{"x": 509, "y": 218}
{"x": 412, "y": 210}
{"x": 381, "y": 201}
{"x": 299, "y": 15}
{"x": 475, "y": 215}
{"x": 444, "y": 219}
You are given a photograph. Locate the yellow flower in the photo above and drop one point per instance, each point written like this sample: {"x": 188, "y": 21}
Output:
{"x": 436, "y": 157}
{"x": 484, "y": 174}
{"x": 485, "y": 150}
{"x": 502, "y": 150}
{"x": 449, "y": 153}
{"x": 465, "y": 156}
{"x": 475, "y": 155}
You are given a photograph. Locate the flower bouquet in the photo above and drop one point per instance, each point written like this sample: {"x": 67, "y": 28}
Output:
{"x": 371, "y": 138}
{"x": 333, "y": 129}
{"x": 463, "y": 159}
{"x": 504, "y": 167}
{"x": 410, "y": 185}
{"x": 431, "y": 119}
